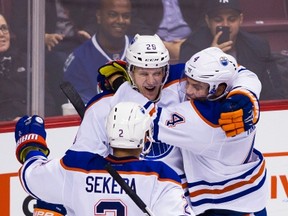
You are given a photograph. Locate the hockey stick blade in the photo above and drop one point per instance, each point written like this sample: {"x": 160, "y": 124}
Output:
{"x": 73, "y": 97}
{"x": 137, "y": 200}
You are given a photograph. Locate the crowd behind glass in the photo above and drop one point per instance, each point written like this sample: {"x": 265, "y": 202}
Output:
{"x": 80, "y": 22}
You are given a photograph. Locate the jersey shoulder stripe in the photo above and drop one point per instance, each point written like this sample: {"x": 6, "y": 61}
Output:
{"x": 88, "y": 162}
{"x": 252, "y": 181}
{"x": 98, "y": 97}
{"x": 208, "y": 111}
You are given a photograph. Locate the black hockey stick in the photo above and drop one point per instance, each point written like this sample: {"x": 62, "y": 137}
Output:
{"x": 137, "y": 200}
{"x": 73, "y": 97}
{"x": 79, "y": 105}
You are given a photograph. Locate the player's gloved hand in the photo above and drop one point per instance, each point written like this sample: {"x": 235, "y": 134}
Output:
{"x": 115, "y": 72}
{"x": 43, "y": 208}
{"x": 30, "y": 135}
{"x": 236, "y": 114}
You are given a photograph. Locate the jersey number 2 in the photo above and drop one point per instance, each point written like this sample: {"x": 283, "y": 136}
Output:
{"x": 107, "y": 207}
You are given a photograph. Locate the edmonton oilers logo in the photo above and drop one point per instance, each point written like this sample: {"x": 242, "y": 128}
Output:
{"x": 224, "y": 61}
{"x": 158, "y": 151}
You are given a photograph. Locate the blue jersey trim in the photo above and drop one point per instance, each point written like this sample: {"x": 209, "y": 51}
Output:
{"x": 88, "y": 162}
{"x": 243, "y": 176}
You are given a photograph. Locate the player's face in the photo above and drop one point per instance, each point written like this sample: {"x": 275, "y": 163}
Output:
{"x": 4, "y": 35}
{"x": 114, "y": 17}
{"x": 148, "y": 81}
{"x": 225, "y": 17}
{"x": 196, "y": 90}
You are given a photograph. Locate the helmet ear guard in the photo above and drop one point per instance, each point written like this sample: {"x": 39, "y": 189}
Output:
{"x": 129, "y": 126}
{"x": 214, "y": 67}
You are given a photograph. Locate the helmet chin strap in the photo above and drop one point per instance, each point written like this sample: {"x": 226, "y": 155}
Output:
{"x": 148, "y": 143}
{"x": 211, "y": 98}
{"x": 147, "y": 150}
{"x": 158, "y": 96}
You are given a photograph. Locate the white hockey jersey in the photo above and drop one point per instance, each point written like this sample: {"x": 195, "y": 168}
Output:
{"x": 80, "y": 182}
{"x": 222, "y": 172}
{"x": 92, "y": 133}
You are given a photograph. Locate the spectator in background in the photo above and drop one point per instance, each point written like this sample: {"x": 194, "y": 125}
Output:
{"x": 68, "y": 26}
{"x": 249, "y": 49}
{"x": 13, "y": 76}
{"x": 109, "y": 43}
{"x": 68, "y": 23}
{"x": 172, "y": 20}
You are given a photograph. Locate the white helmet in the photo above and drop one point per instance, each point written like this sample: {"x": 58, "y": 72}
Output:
{"x": 212, "y": 66}
{"x": 147, "y": 51}
{"x": 128, "y": 126}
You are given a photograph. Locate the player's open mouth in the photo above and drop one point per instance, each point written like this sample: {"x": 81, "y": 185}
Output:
{"x": 150, "y": 88}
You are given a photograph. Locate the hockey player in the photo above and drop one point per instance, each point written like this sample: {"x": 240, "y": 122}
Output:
{"x": 226, "y": 175}
{"x": 79, "y": 180}
{"x": 151, "y": 72}
{"x": 91, "y": 135}
{"x": 148, "y": 65}
{"x": 148, "y": 61}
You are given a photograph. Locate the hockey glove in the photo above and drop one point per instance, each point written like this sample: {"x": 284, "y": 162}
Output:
{"x": 236, "y": 115}
{"x": 112, "y": 68}
{"x": 30, "y": 135}
{"x": 43, "y": 208}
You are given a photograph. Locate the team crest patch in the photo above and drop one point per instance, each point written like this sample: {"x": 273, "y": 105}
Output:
{"x": 224, "y": 61}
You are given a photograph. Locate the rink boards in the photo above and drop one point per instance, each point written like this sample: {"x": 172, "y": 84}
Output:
{"x": 271, "y": 139}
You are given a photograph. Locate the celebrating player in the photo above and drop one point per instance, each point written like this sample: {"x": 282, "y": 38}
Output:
{"x": 150, "y": 61}
{"x": 226, "y": 175}
{"x": 148, "y": 66}
{"x": 91, "y": 135}
{"x": 79, "y": 180}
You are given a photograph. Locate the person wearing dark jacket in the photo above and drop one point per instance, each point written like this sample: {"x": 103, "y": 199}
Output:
{"x": 13, "y": 77}
{"x": 78, "y": 15}
{"x": 68, "y": 23}
{"x": 250, "y": 50}
{"x": 14, "y": 89}
{"x": 148, "y": 14}
{"x": 172, "y": 20}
